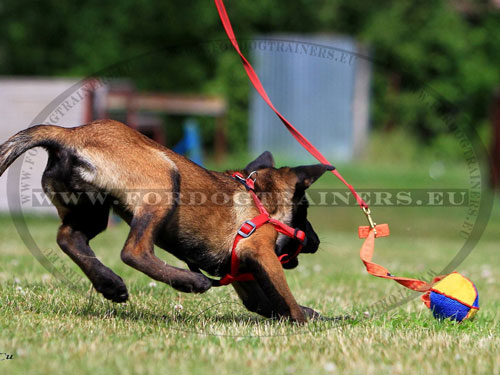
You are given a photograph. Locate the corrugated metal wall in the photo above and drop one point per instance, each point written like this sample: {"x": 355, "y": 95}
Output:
{"x": 21, "y": 102}
{"x": 314, "y": 83}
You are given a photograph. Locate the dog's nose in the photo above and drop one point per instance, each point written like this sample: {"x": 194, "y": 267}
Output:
{"x": 312, "y": 243}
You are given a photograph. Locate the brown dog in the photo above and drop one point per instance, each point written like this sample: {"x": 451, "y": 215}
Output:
{"x": 109, "y": 157}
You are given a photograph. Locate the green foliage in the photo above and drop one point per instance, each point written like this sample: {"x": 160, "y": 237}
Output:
{"x": 416, "y": 45}
{"x": 427, "y": 46}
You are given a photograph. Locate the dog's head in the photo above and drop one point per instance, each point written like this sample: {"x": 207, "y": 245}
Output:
{"x": 282, "y": 190}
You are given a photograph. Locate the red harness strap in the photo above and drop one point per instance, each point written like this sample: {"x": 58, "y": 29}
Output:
{"x": 365, "y": 232}
{"x": 249, "y": 227}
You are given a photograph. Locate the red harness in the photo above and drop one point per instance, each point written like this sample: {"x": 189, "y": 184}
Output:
{"x": 249, "y": 227}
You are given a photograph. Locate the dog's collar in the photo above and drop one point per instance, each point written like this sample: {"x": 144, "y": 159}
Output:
{"x": 250, "y": 226}
{"x": 248, "y": 182}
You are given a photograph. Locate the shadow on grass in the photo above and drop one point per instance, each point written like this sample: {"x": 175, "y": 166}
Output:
{"x": 222, "y": 319}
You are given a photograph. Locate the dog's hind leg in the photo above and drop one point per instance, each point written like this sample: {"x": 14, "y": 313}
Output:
{"x": 79, "y": 225}
{"x": 138, "y": 252}
{"x": 82, "y": 219}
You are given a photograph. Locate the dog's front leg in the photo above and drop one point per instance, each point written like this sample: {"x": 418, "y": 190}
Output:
{"x": 255, "y": 300}
{"x": 270, "y": 277}
{"x": 138, "y": 252}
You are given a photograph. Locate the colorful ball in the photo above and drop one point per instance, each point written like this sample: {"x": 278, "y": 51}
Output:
{"x": 455, "y": 297}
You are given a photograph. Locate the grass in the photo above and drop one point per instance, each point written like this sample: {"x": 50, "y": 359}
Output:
{"x": 51, "y": 327}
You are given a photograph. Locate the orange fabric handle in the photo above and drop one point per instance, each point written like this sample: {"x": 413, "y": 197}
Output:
{"x": 382, "y": 231}
{"x": 366, "y": 255}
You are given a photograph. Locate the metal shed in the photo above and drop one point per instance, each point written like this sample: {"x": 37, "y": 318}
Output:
{"x": 321, "y": 84}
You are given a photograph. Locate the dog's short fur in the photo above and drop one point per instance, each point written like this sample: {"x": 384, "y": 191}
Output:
{"x": 107, "y": 156}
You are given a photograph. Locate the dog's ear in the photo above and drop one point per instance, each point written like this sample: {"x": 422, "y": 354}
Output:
{"x": 307, "y": 174}
{"x": 265, "y": 160}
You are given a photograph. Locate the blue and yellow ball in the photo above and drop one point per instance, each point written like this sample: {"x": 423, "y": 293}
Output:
{"x": 455, "y": 297}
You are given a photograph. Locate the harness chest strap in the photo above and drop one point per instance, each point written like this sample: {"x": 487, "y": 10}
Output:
{"x": 249, "y": 227}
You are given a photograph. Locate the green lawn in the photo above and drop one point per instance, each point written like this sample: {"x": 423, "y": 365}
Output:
{"x": 51, "y": 327}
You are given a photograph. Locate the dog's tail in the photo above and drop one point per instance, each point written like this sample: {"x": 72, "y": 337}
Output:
{"x": 50, "y": 137}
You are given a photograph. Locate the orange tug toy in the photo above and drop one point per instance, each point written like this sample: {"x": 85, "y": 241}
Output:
{"x": 451, "y": 296}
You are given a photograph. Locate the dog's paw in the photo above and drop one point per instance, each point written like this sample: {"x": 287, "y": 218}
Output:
{"x": 200, "y": 283}
{"x": 311, "y": 314}
{"x": 113, "y": 288}
{"x": 196, "y": 283}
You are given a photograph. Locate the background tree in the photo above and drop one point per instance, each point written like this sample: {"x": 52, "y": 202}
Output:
{"x": 419, "y": 44}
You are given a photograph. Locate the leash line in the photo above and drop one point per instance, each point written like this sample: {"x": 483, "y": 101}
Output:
{"x": 262, "y": 92}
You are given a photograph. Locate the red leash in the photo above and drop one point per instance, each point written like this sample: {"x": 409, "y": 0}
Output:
{"x": 368, "y": 232}
{"x": 262, "y": 92}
